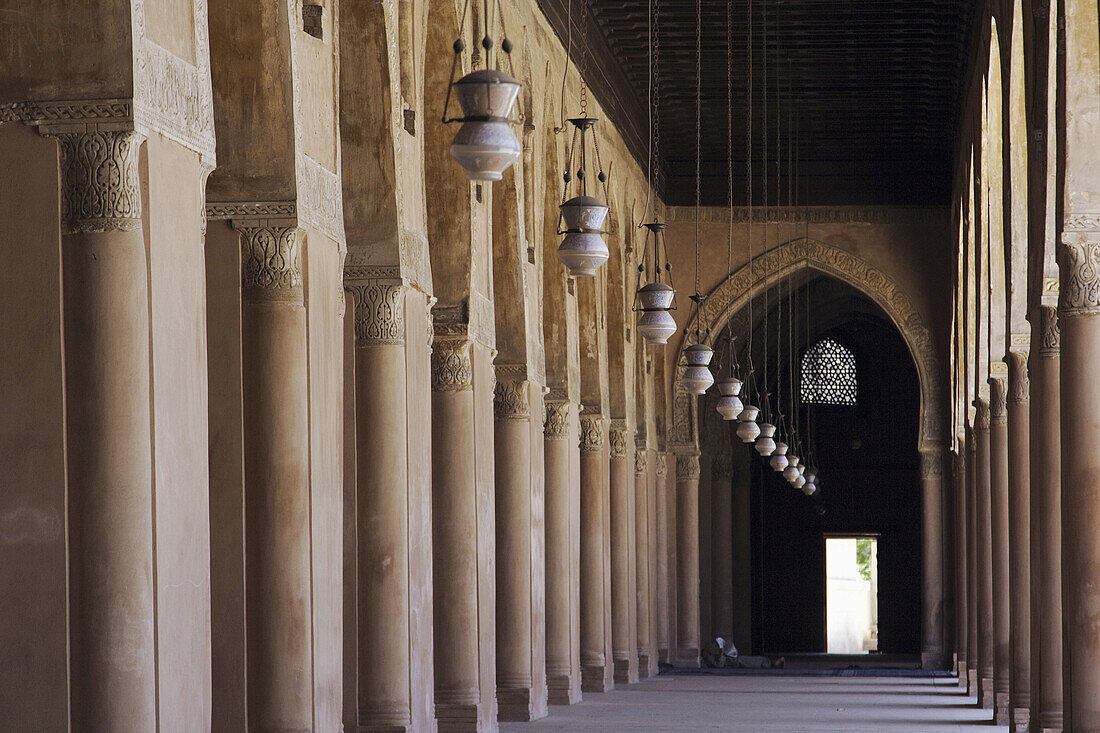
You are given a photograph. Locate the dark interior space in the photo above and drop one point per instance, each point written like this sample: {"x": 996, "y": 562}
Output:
{"x": 868, "y": 468}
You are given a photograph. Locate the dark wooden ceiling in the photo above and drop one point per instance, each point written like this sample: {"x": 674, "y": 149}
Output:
{"x": 869, "y": 89}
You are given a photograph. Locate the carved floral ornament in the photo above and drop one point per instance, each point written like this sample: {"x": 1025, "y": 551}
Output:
{"x": 591, "y": 433}
{"x": 271, "y": 257}
{"x": 379, "y": 311}
{"x": 617, "y": 439}
{"x": 1049, "y": 334}
{"x": 556, "y": 426}
{"x": 510, "y": 400}
{"x": 101, "y": 189}
{"x": 452, "y": 370}
{"x": 998, "y": 400}
{"x": 661, "y": 467}
{"x": 641, "y": 460}
{"x": 981, "y": 419}
{"x": 931, "y": 462}
{"x": 1079, "y": 264}
{"x": 687, "y": 468}
{"x": 732, "y": 296}
{"x": 1019, "y": 386}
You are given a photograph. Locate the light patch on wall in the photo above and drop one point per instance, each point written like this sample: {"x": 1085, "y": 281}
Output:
{"x": 29, "y": 526}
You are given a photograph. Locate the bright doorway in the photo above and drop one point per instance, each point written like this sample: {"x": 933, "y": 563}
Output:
{"x": 851, "y": 594}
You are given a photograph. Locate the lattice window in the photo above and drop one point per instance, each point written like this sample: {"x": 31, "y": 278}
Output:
{"x": 829, "y": 374}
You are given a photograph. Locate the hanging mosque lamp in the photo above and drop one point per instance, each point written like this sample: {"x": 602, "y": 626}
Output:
{"x": 779, "y": 457}
{"x": 729, "y": 402}
{"x": 656, "y": 298}
{"x": 485, "y": 145}
{"x": 583, "y": 250}
{"x": 697, "y": 378}
{"x": 765, "y": 444}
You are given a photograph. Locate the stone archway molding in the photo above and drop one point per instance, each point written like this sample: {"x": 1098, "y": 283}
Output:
{"x": 734, "y": 293}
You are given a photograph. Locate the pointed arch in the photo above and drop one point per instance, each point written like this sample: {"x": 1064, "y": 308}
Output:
{"x": 733, "y": 294}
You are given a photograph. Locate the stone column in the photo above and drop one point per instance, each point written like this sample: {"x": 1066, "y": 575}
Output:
{"x": 721, "y": 527}
{"x": 643, "y": 521}
{"x": 1019, "y": 540}
{"x": 671, "y": 511}
{"x": 597, "y": 668}
{"x": 973, "y": 674}
{"x": 961, "y": 554}
{"x": 624, "y": 631}
{"x": 108, "y": 436}
{"x": 562, "y": 550}
{"x": 663, "y": 587}
{"x": 1046, "y": 508}
{"x": 998, "y": 498}
{"x": 1079, "y": 322}
{"x": 932, "y": 591}
{"x": 984, "y": 563}
{"x": 521, "y": 691}
{"x": 454, "y": 537}
{"x": 687, "y": 561}
{"x": 382, "y": 439}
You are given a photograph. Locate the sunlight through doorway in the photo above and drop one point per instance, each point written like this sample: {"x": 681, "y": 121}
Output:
{"x": 851, "y": 594}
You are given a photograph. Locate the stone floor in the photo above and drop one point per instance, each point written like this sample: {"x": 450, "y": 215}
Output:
{"x": 773, "y": 703}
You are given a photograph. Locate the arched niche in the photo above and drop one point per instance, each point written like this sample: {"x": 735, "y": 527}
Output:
{"x": 729, "y": 297}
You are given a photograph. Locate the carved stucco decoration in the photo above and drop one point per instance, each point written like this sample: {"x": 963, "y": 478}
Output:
{"x": 591, "y": 433}
{"x": 1079, "y": 263}
{"x": 510, "y": 399}
{"x": 661, "y": 467}
{"x": 1049, "y": 333}
{"x": 379, "y": 311}
{"x": 931, "y": 462}
{"x": 100, "y": 183}
{"x": 270, "y": 256}
{"x": 981, "y": 417}
{"x": 1019, "y": 385}
{"x": 452, "y": 370}
{"x": 734, "y": 293}
{"x": 556, "y": 426}
{"x": 641, "y": 459}
{"x": 617, "y": 438}
{"x": 687, "y": 468}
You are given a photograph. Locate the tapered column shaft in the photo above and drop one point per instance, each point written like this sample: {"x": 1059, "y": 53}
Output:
{"x": 663, "y": 588}
{"x": 961, "y": 554}
{"x": 597, "y": 668}
{"x": 984, "y": 565}
{"x": 973, "y": 674}
{"x": 1019, "y": 544}
{"x": 383, "y": 509}
{"x": 643, "y": 522}
{"x": 521, "y": 682}
{"x": 562, "y": 553}
{"x": 624, "y": 631}
{"x": 687, "y": 561}
{"x": 721, "y": 527}
{"x": 276, "y": 469}
{"x": 998, "y": 488}
{"x": 108, "y": 437}
{"x": 1046, "y": 507}
{"x": 932, "y": 591}
{"x": 671, "y": 502}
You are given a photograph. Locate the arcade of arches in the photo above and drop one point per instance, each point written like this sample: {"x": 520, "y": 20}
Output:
{"x": 303, "y": 431}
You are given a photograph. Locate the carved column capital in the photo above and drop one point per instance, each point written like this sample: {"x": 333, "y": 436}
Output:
{"x": 998, "y": 400}
{"x": 687, "y": 468}
{"x": 100, "y": 182}
{"x": 1079, "y": 265}
{"x": 452, "y": 370}
{"x": 617, "y": 438}
{"x": 379, "y": 311}
{"x": 271, "y": 266}
{"x": 981, "y": 419}
{"x": 592, "y": 433}
{"x": 1019, "y": 387}
{"x": 722, "y": 467}
{"x": 641, "y": 459}
{"x": 1049, "y": 333}
{"x": 661, "y": 469}
{"x": 556, "y": 426}
{"x": 931, "y": 462}
{"x": 510, "y": 399}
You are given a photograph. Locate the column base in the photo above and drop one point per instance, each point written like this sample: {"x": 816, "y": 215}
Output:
{"x": 663, "y": 656}
{"x": 647, "y": 666}
{"x": 961, "y": 671}
{"x": 514, "y": 704}
{"x": 626, "y": 671}
{"x": 388, "y": 719}
{"x": 458, "y": 718}
{"x": 563, "y": 690}
{"x": 1021, "y": 720}
{"x": 972, "y": 682}
{"x": 1002, "y": 710}
{"x": 686, "y": 657}
{"x": 382, "y": 728}
{"x": 985, "y": 693}
{"x": 934, "y": 660}
{"x": 594, "y": 678}
{"x": 1050, "y": 722}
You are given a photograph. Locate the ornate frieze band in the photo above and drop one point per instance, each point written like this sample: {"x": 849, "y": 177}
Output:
{"x": 100, "y": 183}
{"x": 1079, "y": 264}
{"x": 687, "y": 468}
{"x": 1019, "y": 386}
{"x": 1049, "y": 334}
{"x": 556, "y": 426}
{"x": 616, "y": 436}
{"x": 452, "y": 369}
{"x": 591, "y": 433}
{"x": 998, "y": 400}
{"x": 379, "y": 311}
{"x": 510, "y": 400}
